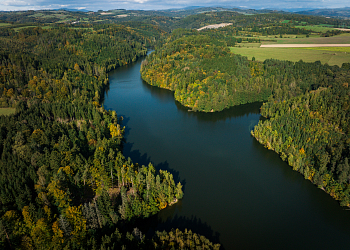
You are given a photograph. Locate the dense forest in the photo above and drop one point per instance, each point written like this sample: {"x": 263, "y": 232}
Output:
{"x": 203, "y": 74}
{"x": 306, "y": 108}
{"x": 65, "y": 183}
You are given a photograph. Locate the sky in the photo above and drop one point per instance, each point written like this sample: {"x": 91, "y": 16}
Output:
{"x": 94, "y": 5}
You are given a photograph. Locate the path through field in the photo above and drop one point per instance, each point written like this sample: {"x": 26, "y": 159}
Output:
{"x": 342, "y": 29}
{"x": 302, "y": 45}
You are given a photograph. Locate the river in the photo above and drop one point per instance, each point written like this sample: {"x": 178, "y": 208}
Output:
{"x": 237, "y": 193}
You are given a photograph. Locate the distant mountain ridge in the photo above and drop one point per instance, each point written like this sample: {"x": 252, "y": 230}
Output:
{"x": 327, "y": 12}
{"x": 74, "y": 10}
{"x": 343, "y": 13}
{"x": 190, "y": 17}
{"x": 191, "y": 10}
{"x": 338, "y": 12}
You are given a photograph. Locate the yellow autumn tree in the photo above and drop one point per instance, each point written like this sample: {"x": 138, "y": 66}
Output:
{"x": 41, "y": 234}
{"x": 76, "y": 67}
{"x": 13, "y": 223}
{"x": 115, "y": 130}
{"x": 77, "y": 221}
{"x": 57, "y": 191}
{"x": 58, "y": 237}
{"x": 10, "y": 92}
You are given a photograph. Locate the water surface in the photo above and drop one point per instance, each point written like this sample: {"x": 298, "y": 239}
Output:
{"x": 237, "y": 193}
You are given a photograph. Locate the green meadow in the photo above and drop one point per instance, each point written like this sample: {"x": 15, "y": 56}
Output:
{"x": 315, "y": 28}
{"x": 296, "y": 39}
{"x": 332, "y": 56}
{"x": 7, "y": 111}
{"x": 4, "y": 24}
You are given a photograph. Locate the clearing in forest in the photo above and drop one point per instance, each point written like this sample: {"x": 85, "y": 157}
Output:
{"x": 7, "y": 111}
{"x": 215, "y": 26}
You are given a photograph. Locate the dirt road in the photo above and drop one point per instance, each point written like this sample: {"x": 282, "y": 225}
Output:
{"x": 302, "y": 45}
{"x": 342, "y": 29}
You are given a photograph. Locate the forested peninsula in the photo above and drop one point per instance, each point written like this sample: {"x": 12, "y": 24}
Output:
{"x": 205, "y": 76}
{"x": 65, "y": 183}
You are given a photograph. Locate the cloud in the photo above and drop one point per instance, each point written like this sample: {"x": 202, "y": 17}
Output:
{"x": 17, "y": 3}
{"x": 140, "y": 1}
{"x": 164, "y": 4}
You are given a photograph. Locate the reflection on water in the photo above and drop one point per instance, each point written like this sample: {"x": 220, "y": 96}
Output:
{"x": 237, "y": 192}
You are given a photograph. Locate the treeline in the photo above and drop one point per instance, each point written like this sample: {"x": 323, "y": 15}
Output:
{"x": 64, "y": 182}
{"x": 329, "y": 33}
{"x": 280, "y": 30}
{"x": 205, "y": 76}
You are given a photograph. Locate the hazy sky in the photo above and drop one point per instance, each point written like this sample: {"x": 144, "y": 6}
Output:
{"x": 165, "y": 4}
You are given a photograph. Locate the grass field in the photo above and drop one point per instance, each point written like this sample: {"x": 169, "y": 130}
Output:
{"x": 57, "y": 15}
{"x": 5, "y": 25}
{"x": 326, "y": 25}
{"x": 7, "y": 111}
{"x": 37, "y": 15}
{"x": 289, "y": 38}
{"x": 81, "y": 28}
{"x": 342, "y": 38}
{"x": 315, "y": 28}
{"x": 248, "y": 45}
{"x": 332, "y": 57}
{"x": 30, "y": 26}
{"x": 334, "y": 49}
{"x": 24, "y": 27}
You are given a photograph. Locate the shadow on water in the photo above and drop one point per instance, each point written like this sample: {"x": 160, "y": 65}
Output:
{"x": 163, "y": 95}
{"x": 243, "y": 110}
{"x": 196, "y": 225}
{"x": 322, "y": 204}
{"x": 165, "y": 221}
{"x": 124, "y": 123}
{"x": 144, "y": 159}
